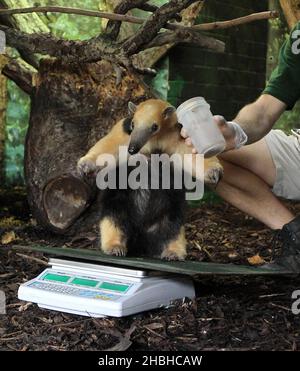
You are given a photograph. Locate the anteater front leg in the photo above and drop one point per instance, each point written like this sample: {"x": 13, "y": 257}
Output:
{"x": 108, "y": 145}
{"x": 176, "y": 249}
{"x": 113, "y": 240}
{"x": 213, "y": 170}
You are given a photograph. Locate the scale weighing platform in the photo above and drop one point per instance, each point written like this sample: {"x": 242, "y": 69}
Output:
{"x": 99, "y": 291}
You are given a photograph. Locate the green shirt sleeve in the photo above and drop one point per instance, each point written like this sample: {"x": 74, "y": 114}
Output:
{"x": 284, "y": 83}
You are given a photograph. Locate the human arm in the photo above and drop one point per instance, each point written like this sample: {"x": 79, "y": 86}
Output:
{"x": 256, "y": 119}
{"x": 281, "y": 93}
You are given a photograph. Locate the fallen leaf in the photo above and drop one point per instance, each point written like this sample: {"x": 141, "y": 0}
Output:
{"x": 8, "y": 238}
{"x": 24, "y": 307}
{"x": 256, "y": 260}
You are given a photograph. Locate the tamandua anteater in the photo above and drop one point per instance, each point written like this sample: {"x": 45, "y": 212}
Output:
{"x": 145, "y": 222}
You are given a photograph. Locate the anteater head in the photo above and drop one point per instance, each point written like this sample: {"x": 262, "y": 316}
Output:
{"x": 151, "y": 119}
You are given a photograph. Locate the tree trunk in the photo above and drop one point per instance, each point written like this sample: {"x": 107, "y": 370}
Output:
{"x": 3, "y": 104}
{"x": 72, "y": 108}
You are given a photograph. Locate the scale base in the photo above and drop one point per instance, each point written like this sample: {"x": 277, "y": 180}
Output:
{"x": 70, "y": 311}
{"x": 99, "y": 291}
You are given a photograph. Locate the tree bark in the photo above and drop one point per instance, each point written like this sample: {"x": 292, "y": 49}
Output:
{"x": 29, "y": 23}
{"x": 17, "y": 71}
{"x": 149, "y": 57}
{"x": 72, "y": 108}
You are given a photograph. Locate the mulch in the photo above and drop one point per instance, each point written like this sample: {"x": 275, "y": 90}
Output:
{"x": 232, "y": 313}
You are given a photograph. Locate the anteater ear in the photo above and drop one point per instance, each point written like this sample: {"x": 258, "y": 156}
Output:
{"x": 168, "y": 112}
{"x": 132, "y": 108}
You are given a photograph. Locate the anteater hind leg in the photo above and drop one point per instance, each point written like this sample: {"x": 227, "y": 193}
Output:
{"x": 113, "y": 240}
{"x": 176, "y": 249}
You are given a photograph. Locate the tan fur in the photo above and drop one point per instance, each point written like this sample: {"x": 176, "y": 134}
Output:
{"x": 113, "y": 241}
{"x": 176, "y": 250}
{"x": 167, "y": 139}
{"x": 108, "y": 144}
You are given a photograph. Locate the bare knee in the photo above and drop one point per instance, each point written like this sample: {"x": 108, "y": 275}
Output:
{"x": 255, "y": 158}
{"x": 238, "y": 178}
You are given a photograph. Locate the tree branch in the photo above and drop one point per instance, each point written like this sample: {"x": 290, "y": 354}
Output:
{"x": 113, "y": 27}
{"x": 149, "y": 57}
{"x": 6, "y": 20}
{"x": 148, "y": 7}
{"x": 38, "y": 43}
{"x": 77, "y": 11}
{"x": 70, "y": 51}
{"x": 102, "y": 48}
{"x": 153, "y": 25}
{"x": 22, "y": 76}
{"x": 152, "y": 8}
{"x": 237, "y": 21}
{"x": 186, "y": 36}
{"x": 137, "y": 20}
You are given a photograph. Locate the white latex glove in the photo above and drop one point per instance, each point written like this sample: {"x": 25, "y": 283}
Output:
{"x": 234, "y": 135}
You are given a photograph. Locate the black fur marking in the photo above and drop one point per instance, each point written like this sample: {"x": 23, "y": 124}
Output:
{"x": 179, "y": 125}
{"x": 127, "y": 126}
{"x": 149, "y": 218}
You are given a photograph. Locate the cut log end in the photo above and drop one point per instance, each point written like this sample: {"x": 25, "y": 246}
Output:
{"x": 65, "y": 199}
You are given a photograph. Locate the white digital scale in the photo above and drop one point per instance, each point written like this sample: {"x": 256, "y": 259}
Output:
{"x": 99, "y": 291}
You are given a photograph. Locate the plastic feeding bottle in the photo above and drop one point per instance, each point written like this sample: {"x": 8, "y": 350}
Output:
{"x": 196, "y": 118}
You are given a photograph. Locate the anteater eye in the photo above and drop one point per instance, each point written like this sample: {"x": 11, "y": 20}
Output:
{"x": 154, "y": 128}
{"x": 128, "y": 126}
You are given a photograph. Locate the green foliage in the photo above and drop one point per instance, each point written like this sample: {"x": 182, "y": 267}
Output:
{"x": 289, "y": 120}
{"x": 74, "y": 27}
{"x": 160, "y": 83}
{"x": 210, "y": 197}
{"x": 17, "y": 117}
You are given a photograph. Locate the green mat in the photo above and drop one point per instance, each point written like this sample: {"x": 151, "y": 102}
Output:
{"x": 188, "y": 267}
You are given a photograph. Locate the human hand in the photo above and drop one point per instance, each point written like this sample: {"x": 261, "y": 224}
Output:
{"x": 233, "y": 134}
